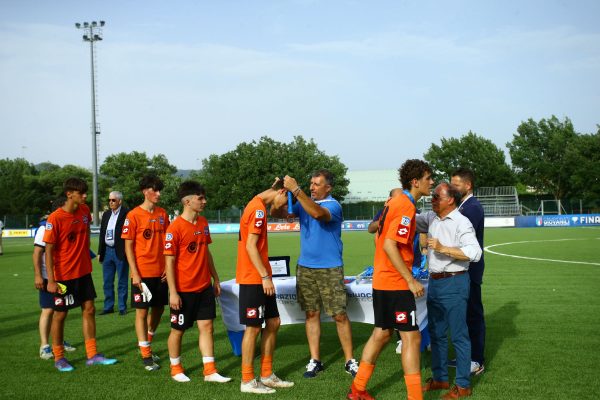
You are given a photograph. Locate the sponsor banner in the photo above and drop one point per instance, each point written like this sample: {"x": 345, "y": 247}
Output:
{"x": 284, "y": 227}
{"x": 558, "y": 220}
{"x": 22, "y": 233}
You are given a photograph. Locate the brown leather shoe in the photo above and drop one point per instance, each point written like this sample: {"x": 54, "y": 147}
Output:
{"x": 430, "y": 385}
{"x": 457, "y": 392}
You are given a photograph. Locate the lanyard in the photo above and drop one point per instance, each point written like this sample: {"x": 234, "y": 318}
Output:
{"x": 407, "y": 193}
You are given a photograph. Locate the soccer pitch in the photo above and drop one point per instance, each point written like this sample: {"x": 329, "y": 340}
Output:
{"x": 541, "y": 298}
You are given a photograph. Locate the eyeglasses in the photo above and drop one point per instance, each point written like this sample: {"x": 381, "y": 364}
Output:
{"x": 112, "y": 200}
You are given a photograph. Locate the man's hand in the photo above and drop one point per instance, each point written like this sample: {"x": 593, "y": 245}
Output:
{"x": 136, "y": 280}
{"x": 217, "y": 288}
{"x": 174, "y": 301}
{"x": 416, "y": 288}
{"x": 290, "y": 183}
{"x": 268, "y": 287}
{"x": 38, "y": 282}
{"x": 52, "y": 287}
{"x": 163, "y": 277}
{"x": 434, "y": 244}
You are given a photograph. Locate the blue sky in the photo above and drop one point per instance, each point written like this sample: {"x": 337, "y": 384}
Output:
{"x": 374, "y": 82}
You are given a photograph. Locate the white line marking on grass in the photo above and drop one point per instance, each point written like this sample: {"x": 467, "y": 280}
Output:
{"x": 487, "y": 248}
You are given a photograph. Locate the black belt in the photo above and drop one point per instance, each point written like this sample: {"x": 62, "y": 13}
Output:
{"x": 442, "y": 275}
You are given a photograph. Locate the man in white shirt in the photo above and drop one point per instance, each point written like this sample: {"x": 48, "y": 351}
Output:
{"x": 452, "y": 245}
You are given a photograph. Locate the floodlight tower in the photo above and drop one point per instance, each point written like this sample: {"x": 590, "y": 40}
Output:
{"x": 92, "y": 32}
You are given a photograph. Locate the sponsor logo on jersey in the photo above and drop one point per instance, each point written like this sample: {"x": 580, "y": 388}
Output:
{"x": 147, "y": 234}
{"x": 161, "y": 220}
{"x": 126, "y": 223}
{"x": 173, "y": 318}
{"x": 169, "y": 236}
{"x": 58, "y": 301}
{"x": 206, "y": 231}
{"x": 48, "y": 226}
{"x": 405, "y": 221}
{"x": 258, "y": 223}
{"x": 168, "y": 246}
{"x": 125, "y": 230}
{"x": 260, "y": 214}
{"x": 251, "y": 313}
{"x": 71, "y": 237}
{"x": 192, "y": 247}
{"x": 401, "y": 317}
{"x": 137, "y": 298}
{"x": 402, "y": 232}
{"x": 85, "y": 219}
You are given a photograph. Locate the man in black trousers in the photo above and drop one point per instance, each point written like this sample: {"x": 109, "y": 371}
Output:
{"x": 111, "y": 253}
{"x": 464, "y": 180}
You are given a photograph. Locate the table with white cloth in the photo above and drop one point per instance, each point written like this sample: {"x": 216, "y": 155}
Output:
{"x": 360, "y": 307}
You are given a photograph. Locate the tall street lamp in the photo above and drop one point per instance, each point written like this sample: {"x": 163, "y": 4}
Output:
{"x": 92, "y": 32}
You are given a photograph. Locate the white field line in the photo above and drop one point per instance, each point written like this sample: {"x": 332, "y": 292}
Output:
{"x": 487, "y": 249}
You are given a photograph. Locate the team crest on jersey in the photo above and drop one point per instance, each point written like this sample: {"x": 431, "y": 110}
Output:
{"x": 169, "y": 236}
{"x": 85, "y": 219}
{"x": 192, "y": 247}
{"x": 147, "y": 234}
{"x": 137, "y": 298}
{"x": 161, "y": 220}
{"x": 405, "y": 221}
{"x": 251, "y": 313}
{"x": 401, "y": 317}
{"x": 71, "y": 237}
{"x": 260, "y": 214}
{"x": 126, "y": 223}
{"x": 48, "y": 226}
{"x": 58, "y": 301}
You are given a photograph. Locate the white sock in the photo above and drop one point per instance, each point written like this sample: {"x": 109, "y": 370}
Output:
{"x": 207, "y": 360}
{"x": 175, "y": 361}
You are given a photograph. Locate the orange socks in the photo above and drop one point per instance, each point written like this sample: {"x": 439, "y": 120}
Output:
{"x": 176, "y": 369}
{"x": 365, "y": 370}
{"x": 247, "y": 372}
{"x": 59, "y": 352}
{"x": 145, "y": 349}
{"x": 90, "y": 348}
{"x": 413, "y": 386}
{"x": 266, "y": 366}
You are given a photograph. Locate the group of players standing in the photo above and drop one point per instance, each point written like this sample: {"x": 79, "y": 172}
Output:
{"x": 171, "y": 264}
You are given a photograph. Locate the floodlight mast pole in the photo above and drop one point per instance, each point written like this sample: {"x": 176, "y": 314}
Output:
{"x": 93, "y": 33}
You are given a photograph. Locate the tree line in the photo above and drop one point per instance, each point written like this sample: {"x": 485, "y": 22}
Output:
{"x": 548, "y": 157}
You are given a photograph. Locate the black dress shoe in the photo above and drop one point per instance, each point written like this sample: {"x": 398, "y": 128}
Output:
{"x": 104, "y": 312}
{"x": 122, "y": 312}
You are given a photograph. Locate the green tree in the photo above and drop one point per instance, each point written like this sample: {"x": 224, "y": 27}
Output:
{"x": 586, "y": 178}
{"x": 545, "y": 155}
{"x": 123, "y": 171}
{"x": 231, "y": 179}
{"x": 471, "y": 151}
{"x": 17, "y": 187}
{"x": 50, "y": 179}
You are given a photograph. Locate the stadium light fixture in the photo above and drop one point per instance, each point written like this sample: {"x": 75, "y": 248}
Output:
{"x": 93, "y": 33}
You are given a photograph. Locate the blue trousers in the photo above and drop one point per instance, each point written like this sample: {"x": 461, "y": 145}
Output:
{"x": 447, "y": 311}
{"x": 476, "y": 323}
{"x": 110, "y": 266}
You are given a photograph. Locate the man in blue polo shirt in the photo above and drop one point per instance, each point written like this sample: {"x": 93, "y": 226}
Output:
{"x": 320, "y": 272}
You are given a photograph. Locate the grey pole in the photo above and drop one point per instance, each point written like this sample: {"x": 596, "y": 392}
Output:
{"x": 93, "y": 33}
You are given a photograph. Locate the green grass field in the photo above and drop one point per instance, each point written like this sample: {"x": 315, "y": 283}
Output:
{"x": 543, "y": 321}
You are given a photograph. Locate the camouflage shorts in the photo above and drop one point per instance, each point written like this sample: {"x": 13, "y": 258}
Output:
{"x": 321, "y": 289}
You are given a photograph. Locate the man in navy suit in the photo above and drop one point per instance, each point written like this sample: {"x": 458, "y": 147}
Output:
{"x": 464, "y": 180}
{"x": 111, "y": 253}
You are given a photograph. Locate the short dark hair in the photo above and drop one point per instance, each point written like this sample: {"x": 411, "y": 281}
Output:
{"x": 278, "y": 184}
{"x": 453, "y": 192}
{"x": 151, "y": 182}
{"x": 412, "y": 169}
{"x": 75, "y": 185}
{"x": 465, "y": 174}
{"x": 189, "y": 188}
{"x": 326, "y": 174}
